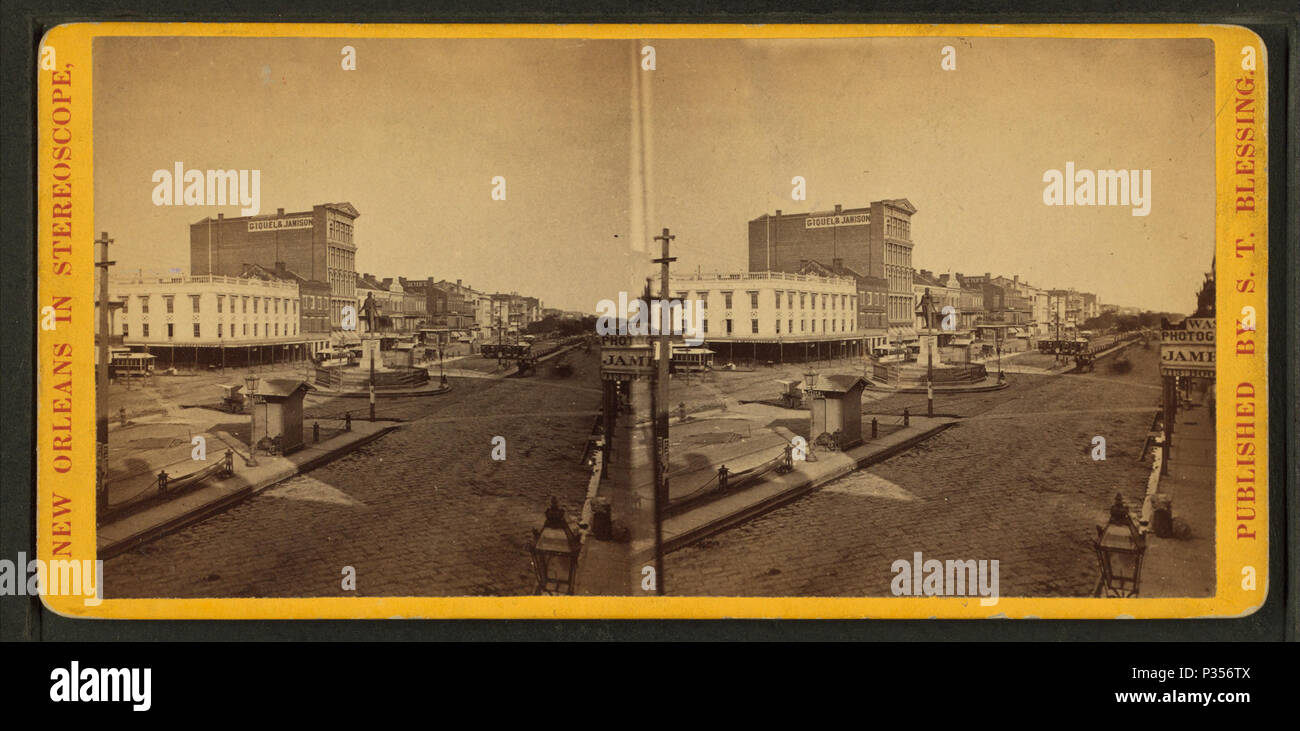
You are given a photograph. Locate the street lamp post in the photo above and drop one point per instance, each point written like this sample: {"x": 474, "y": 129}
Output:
{"x": 1056, "y": 346}
{"x": 500, "y": 337}
{"x": 250, "y": 384}
{"x": 1120, "y": 548}
{"x": 997, "y": 334}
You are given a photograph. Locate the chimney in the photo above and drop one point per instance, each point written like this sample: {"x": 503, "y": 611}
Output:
{"x": 221, "y": 216}
{"x": 986, "y": 276}
{"x": 778, "y": 213}
{"x": 837, "y": 262}
{"x": 457, "y": 282}
{"x": 838, "y": 207}
{"x": 388, "y": 281}
{"x": 279, "y": 211}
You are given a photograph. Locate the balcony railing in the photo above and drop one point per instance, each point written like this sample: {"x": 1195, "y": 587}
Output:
{"x": 778, "y": 276}
{"x": 203, "y": 279}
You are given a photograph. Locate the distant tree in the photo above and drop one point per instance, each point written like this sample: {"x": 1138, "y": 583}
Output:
{"x": 1126, "y": 323}
{"x": 1104, "y": 321}
{"x": 561, "y": 326}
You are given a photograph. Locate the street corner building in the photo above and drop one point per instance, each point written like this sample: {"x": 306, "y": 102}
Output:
{"x": 774, "y": 316}
{"x": 317, "y": 245}
{"x": 211, "y": 320}
{"x": 871, "y": 245}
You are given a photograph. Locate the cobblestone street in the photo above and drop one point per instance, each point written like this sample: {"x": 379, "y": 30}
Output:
{"x": 1014, "y": 481}
{"x": 424, "y": 511}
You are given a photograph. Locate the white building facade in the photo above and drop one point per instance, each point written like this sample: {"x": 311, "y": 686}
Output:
{"x": 775, "y": 309}
{"x": 211, "y": 312}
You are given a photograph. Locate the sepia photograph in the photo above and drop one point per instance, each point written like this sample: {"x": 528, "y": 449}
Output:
{"x": 927, "y": 316}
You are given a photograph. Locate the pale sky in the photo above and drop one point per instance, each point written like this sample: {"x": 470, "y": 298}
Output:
{"x": 413, "y": 137}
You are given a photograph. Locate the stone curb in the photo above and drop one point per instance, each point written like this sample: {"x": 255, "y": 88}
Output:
{"x": 225, "y": 502}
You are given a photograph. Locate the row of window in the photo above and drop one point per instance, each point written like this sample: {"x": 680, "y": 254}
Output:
{"x": 315, "y": 324}
{"x": 315, "y": 302}
{"x": 828, "y": 301}
{"x": 827, "y": 326}
{"x": 290, "y": 329}
{"x": 898, "y": 228}
{"x": 902, "y": 308}
{"x": 900, "y": 278}
{"x": 269, "y": 305}
{"x": 898, "y": 255}
{"x": 397, "y": 305}
{"x": 342, "y": 282}
{"x": 872, "y": 298}
{"x": 340, "y": 230}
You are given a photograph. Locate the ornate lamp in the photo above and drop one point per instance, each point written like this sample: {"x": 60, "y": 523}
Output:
{"x": 555, "y": 553}
{"x": 1120, "y": 548}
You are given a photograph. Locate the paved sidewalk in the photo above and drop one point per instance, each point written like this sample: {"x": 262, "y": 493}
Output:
{"x": 611, "y": 569}
{"x": 1185, "y": 566}
{"x": 692, "y": 525}
{"x": 132, "y": 530}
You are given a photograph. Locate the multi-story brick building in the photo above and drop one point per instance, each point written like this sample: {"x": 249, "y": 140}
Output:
{"x": 1066, "y": 306}
{"x": 1004, "y": 301}
{"x": 1090, "y": 307}
{"x": 454, "y": 305}
{"x": 875, "y": 241}
{"x": 318, "y": 245}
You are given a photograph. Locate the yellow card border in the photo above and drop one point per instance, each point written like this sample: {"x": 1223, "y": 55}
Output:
{"x": 65, "y": 158}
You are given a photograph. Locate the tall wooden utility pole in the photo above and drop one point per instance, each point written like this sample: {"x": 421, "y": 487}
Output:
{"x": 101, "y": 377}
{"x": 660, "y": 393}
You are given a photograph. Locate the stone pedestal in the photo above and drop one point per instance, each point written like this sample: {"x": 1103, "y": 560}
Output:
{"x": 370, "y": 354}
{"x": 929, "y": 345}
